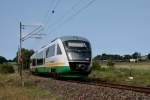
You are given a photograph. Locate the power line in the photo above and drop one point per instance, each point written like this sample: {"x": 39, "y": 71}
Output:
{"x": 32, "y": 32}
{"x": 46, "y": 18}
{"x": 48, "y": 15}
{"x": 74, "y": 15}
{"x": 79, "y": 11}
{"x": 35, "y": 35}
{"x": 29, "y": 34}
{"x": 57, "y": 2}
{"x": 66, "y": 13}
{"x": 51, "y": 11}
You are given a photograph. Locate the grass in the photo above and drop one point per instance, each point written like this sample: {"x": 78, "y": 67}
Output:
{"x": 120, "y": 74}
{"x": 14, "y": 64}
{"x": 10, "y": 89}
{"x": 18, "y": 93}
{"x": 141, "y": 65}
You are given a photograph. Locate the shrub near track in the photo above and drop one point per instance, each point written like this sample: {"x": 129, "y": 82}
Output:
{"x": 96, "y": 65}
{"x": 6, "y": 68}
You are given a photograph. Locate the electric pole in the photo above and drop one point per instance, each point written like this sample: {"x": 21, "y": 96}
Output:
{"x": 32, "y": 34}
{"x": 20, "y": 56}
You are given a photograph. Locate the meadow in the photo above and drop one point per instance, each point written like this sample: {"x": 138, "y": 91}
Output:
{"x": 11, "y": 89}
{"x": 121, "y": 72}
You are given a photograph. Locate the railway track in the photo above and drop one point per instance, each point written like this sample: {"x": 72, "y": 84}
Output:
{"x": 104, "y": 83}
{"x": 99, "y": 82}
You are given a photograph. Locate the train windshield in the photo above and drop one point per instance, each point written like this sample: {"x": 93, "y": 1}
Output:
{"x": 77, "y": 45}
{"x": 78, "y": 50}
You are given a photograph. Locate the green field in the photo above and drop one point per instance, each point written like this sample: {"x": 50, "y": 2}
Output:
{"x": 121, "y": 72}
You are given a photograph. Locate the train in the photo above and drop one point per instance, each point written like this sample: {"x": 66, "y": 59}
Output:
{"x": 66, "y": 56}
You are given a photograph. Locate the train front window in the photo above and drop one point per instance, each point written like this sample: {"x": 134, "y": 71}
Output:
{"x": 78, "y": 50}
{"x": 77, "y": 45}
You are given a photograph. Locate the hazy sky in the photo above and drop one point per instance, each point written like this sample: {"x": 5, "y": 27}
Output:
{"x": 112, "y": 26}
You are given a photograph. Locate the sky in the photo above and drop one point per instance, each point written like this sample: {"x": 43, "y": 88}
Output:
{"x": 112, "y": 26}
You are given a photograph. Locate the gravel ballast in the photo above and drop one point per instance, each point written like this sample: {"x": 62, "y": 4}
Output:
{"x": 76, "y": 91}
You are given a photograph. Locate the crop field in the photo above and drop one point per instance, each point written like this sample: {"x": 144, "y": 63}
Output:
{"x": 121, "y": 72}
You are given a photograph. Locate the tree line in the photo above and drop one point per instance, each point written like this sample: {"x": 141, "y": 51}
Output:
{"x": 26, "y": 54}
{"x": 127, "y": 57}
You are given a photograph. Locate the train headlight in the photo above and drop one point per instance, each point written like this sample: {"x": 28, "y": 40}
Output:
{"x": 69, "y": 55}
{"x": 81, "y": 66}
{"x": 87, "y": 58}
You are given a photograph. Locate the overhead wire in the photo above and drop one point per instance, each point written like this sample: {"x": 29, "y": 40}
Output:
{"x": 74, "y": 15}
{"x": 57, "y": 2}
{"x": 47, "y": 14}
{"x": 35, "y": 34}
{"x": 66, "y": 13}
{"x": 45, "y": 20}
{"x": 29, "y": 34}
{"x": 64, "y": 18}
{"x": 52, "y": 11}
{"x": 47, "y": 17}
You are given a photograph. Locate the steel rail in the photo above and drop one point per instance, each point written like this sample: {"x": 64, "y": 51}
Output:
{"x": 98, "y": 82}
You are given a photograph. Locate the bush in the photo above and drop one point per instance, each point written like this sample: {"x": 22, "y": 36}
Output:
{"x": 6, "y": 68}
{"x": 110, "y": 64}
{"x": 96, "y": 65}
{"x": 2, "y": 60}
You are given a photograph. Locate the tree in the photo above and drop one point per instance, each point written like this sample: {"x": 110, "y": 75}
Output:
{"x": 104, "y": 56}
{"x": 26, "y": 54}
{"x": 98, "y": 57}
{"x": 148, "y": 56}
{"x": 117, "y": 57}
{"x": 108, "y": 56}
{"x": 2, "y": 59}
{"x": 127, "y": 57}
{"x": 136, "y": 55}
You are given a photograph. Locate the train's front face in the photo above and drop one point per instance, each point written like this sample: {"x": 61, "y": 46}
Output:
{"x": 79, "y": 56}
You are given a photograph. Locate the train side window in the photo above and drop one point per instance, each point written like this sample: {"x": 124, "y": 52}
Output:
{"x": 58, "y": 50}
{"x": 40, "y": 58}
{"x": 33, "y": 62}
{"x": 50, "y": 51}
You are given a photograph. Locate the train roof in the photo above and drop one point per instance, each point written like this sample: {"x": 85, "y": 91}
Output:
{"x": 63, "y": 38}
{"x": 66, "y": 38}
